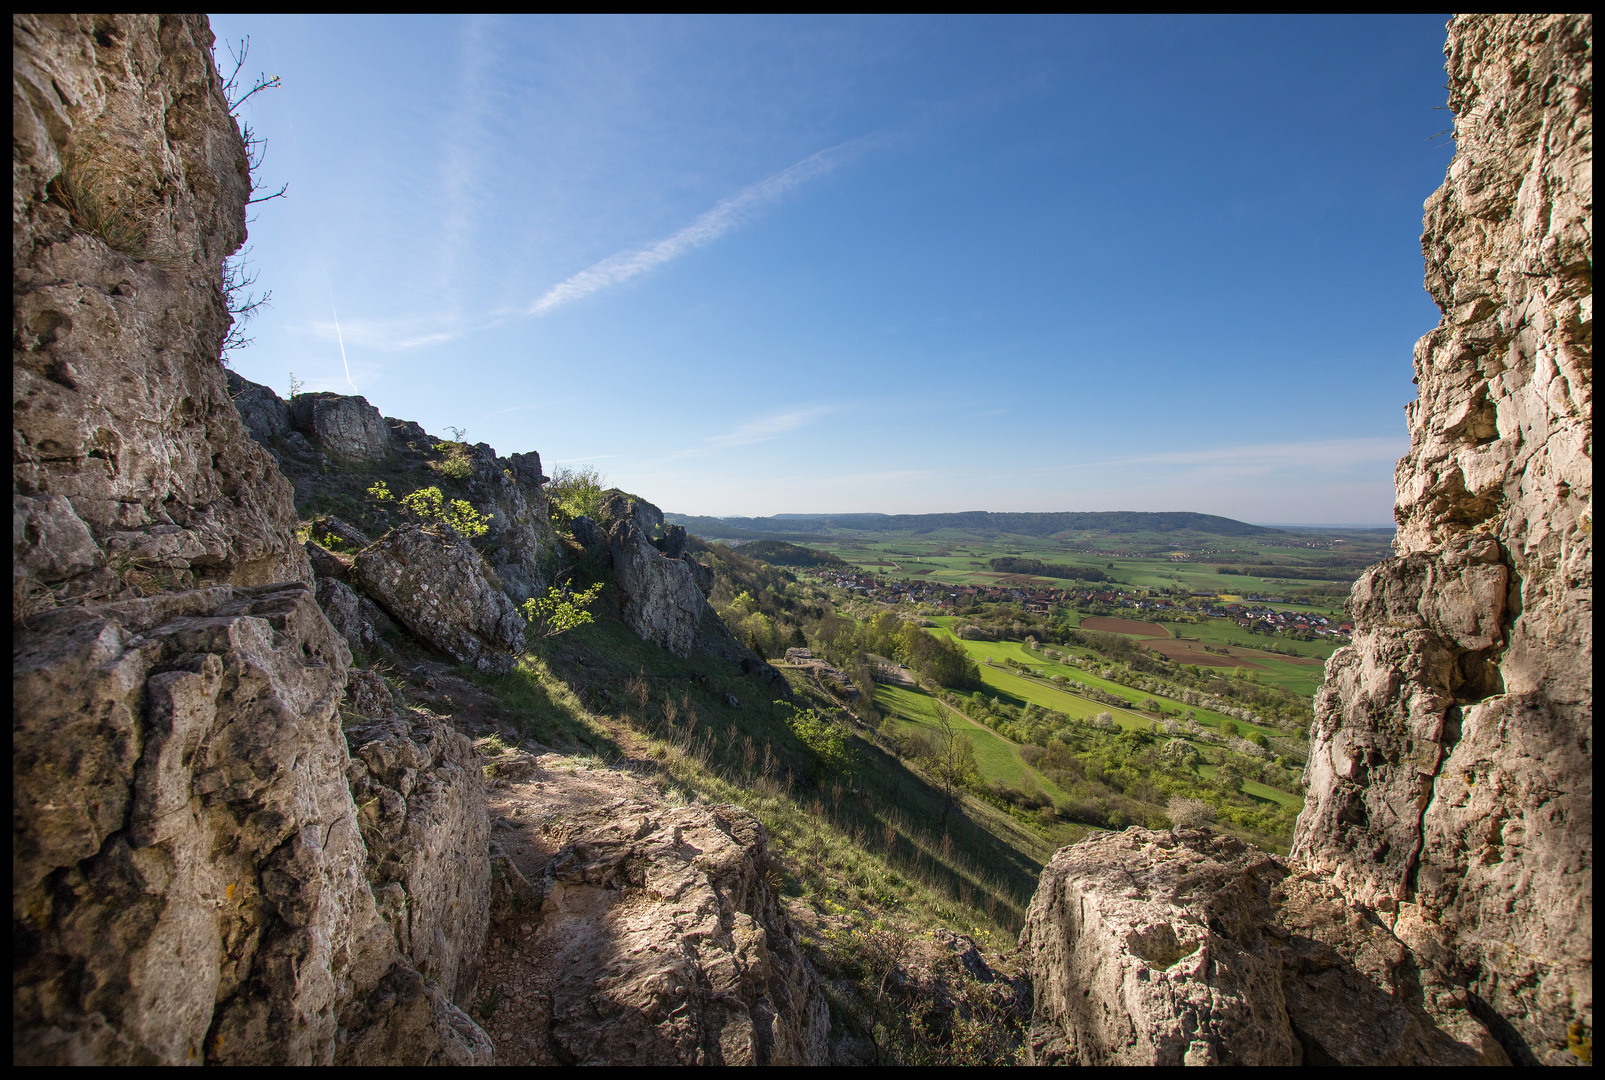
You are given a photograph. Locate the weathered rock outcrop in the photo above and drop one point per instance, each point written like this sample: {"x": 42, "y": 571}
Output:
{"x": 316, "y": 437}
{"x": 420, "y": 799}
{"x": 1440, "y": 890}
{"x": 353, "y": 616}
{"x": 189, "y": 877}
{"x": 662, "y": 600}
{"x": 1153, "y": 948}
{"x": 347, "y": 428}
{"x": 129, "y": 181}
{"x": 435, "y": 584}
{"x": 639, "y": 935}
{"x": 188, "y": 872}
{"x": 1451, "y": 780}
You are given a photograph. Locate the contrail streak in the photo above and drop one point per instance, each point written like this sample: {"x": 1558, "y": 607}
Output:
{"x": 338, "y": 336}
{"x": 341, "y": 339}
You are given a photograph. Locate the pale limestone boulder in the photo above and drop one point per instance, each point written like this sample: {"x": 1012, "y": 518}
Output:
{"x": 437, "y": 586}
{"x": 1450, "y": 784}
{"x": 662, "y": 944}
{"x": 347, "y": 611}
{"x": 188, "y": 875}
{"x": 1155, "y": 948}
{"x": 420, "y": 799}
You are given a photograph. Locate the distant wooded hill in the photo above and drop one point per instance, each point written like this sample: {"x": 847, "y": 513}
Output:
{"x": 780, "y": 553}
{"x": 972, "y": 523}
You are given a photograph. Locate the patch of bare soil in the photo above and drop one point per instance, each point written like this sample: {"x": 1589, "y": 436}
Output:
{"x": 1183, "y": 652}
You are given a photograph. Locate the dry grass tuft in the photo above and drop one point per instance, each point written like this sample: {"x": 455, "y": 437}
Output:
{"x": 118, "y": 214}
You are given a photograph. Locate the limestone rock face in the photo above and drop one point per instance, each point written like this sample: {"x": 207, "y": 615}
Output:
{"x": 122, "y": 426}
{"x": 343, "y": 427}
{"x": 1450, "y": 786}
{"x": 265, "y": 416}
{"x": 188, "y": 873}
{"x": 518, "y": 542}
{"x": 435, "y": 584}
{"x": 421, "y": 806}
{"x": 347, "y": 612}
{"x": 1153, "y": 948}
{"x": 663, "y": 601}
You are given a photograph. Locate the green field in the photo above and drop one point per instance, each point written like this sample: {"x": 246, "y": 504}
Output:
{"x": 1226, "y": 632}
{"x": 912, "y": 710}
{"x": 1019, "y": 690}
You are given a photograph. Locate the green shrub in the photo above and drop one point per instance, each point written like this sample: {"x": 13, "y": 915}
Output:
{"x": 827, "y": 741}
{"x": 430, "y": 506}
{"x": 457, "y": 465}
{"x": 559, "y": 611}
{"x": 575, "y": 491}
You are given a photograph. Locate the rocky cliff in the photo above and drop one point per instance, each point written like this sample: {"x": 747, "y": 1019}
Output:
{"x": 1451, "y": 784}
{"x": 1438, "y": 905}
{"x": 192, "y": 880}
{"x": 129, "y": 181}
{"x": 230, "y": 843}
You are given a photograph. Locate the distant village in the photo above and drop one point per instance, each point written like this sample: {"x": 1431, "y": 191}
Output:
{"x": 1252, "y": 613}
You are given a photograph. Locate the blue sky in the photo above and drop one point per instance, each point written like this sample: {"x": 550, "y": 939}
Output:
{"x": 770, "y": 265}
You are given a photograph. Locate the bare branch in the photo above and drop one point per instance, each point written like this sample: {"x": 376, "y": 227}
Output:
{"x": 279, "y": 194}
{"x": 231, "y": 85}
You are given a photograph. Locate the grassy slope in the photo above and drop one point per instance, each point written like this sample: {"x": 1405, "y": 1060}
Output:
{"x": 585, "y": 689}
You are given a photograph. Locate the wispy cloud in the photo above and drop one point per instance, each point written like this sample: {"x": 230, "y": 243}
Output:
{"x": 1318, "y": 455}
{"x": 503, "y": 412}
{"x": 384, "y": 335}
{"x": 760, "y": 430}
{"x": 733, "y": 211}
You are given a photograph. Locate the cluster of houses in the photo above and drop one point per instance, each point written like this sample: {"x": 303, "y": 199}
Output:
{"x": 1254, "y": 614}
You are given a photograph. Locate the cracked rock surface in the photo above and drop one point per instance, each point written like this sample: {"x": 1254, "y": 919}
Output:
{"x": 630, "y": 933}
{"x": 1451, "y": 779}
{"x": 1156, "y": 948}
{"x": 130, "y": 463}
{"x": 1437, "y": 906}
{"x": 188, "y": 871}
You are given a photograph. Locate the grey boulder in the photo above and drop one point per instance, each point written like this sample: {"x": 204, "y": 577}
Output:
{"x": 435, "y": 584}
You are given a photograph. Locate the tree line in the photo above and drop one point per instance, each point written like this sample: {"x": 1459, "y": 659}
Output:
{"x": 1010, "y": 564}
